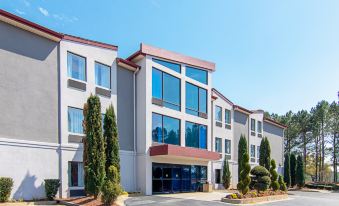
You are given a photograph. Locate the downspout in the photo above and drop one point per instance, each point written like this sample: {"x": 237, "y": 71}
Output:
{"x": 134, "y": 131}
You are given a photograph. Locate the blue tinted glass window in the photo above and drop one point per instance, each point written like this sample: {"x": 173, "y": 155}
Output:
{"x": 202, "y": 100}
{"x": 218, "y": 113}
{"x": 171, "y": 91}
{"x": 202, "y": 137}
{"x": 171, "y": 130}
{"x": 75, "y": 119}
{"x": 156, "y": 83}
{"x": 227, "y": 116}
{"x": 197, "y": 74}
{"x": 196, "y": 99}
{"x": 165, "y": 129}
{"x": 227, "y": 146}
{"x": 170, "y": 65}
{"x": 103, "y": 75}
{"x": 196, "y": 135}
{"x": 76, "y": 66}
{"x": 156, "y": 128}
{"x": 218, "y": 146}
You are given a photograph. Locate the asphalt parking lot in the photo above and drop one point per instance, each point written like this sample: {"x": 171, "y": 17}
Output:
{"x": 213, "y": 199}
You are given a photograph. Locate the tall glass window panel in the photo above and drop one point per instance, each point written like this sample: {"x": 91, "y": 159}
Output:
{"x": 171, "y": 127}
{"x": 217, "y": 176}
{"x": 76, "y": 66}
{"x": 202, "y": 100}
{"x": 259, "y": 127}
{"x": 75, "y": 119}
{"x": 253, "y": 125}
{"x": 218, "y": 146}
{"x": 227, "y": 116}
{"x": 75, "y": 174}
{"x": 102, "y": 75}
{"x": 196, "y": 74}
{"x": 192, "y": 99}
{"x": 157, "y": 128}
{"x": 227, "y": 146}
{"x": 252, "y": 150}
{"x": 192, "y": 135}
{"x": 156, "y": 83}
{"x": 258, "y": 153}
{"x": 202, "y": 137}
{"x": 170, "y": 65}
{"x": 171, "y": 91}
{"x": 218, "y": 114}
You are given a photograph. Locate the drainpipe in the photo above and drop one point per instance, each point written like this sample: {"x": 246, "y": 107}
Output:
{"x": 134, "y": 131}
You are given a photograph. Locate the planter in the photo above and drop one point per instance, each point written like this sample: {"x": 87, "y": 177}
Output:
{"x": 207, "y": 187}
{"x": 255, "y": 200}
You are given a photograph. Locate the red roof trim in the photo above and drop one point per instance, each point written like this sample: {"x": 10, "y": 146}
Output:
{"x": 30, "y": 24}
{"x": 179, "y": 151}
{"x": 274, "y": 122}
{"x": 129, "y": 63}
{"x": 242, "y": 109}
{"x": 134, "y": 55}
{"x": 222, "y": 96}
{"x": 90, "y": 42}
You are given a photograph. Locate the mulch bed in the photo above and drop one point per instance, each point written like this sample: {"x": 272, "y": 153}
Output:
{"x": 86, "y": 201}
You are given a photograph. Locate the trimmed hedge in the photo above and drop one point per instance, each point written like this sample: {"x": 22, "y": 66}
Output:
{"x": 260, "y": 171}
{"x": 6, "y": 185}
{"x": 51, "y": 188}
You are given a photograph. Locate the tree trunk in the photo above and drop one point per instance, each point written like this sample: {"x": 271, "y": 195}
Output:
{"x": 304, "y": 138}
{"x": 322, "y": 151}
{"x": 316, "y": 158}
{"x": 334, "y": 159}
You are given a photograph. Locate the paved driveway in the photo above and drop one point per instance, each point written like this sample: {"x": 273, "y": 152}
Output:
{"x": 213, "y": 199}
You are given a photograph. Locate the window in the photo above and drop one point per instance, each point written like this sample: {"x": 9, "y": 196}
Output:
{"x": 227, "y": 146}
{"x": 252, "y": 150}
{"x": 259, "y": 127}
{"x": 196, "y": 100}
{"x": 75, "y": 174}
{"x": 258, "y": 153}
{"x": 218, "y": 146}
{"x": 165, "y": 129}
{"x": 170, "y": 65}
{"x": 217, "y": 176}
{"x": 166, "y": 88}
{"x": 76, "y": 66}
{"x": 197, "y": 74}
{"x": 218, "y": 114}
{"x": 196, "y": 135}
{"x": 227, "y": 116}
{"x": 102, "y": 75}
{"x": 75, "y": 119}
{"x": 253, "y": 125}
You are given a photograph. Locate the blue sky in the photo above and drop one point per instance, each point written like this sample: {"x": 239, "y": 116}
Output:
{"x": 272, "y": 55}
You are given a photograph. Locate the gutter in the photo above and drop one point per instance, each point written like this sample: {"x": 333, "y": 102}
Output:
{"x": 134, "y": 129}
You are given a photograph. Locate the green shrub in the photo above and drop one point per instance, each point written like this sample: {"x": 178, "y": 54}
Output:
{"x": 226, "y": 175}
{"x": 293, "y": 169}
{"x": 287, "y": 171}
{"x": 245, "y": 179}
{"x": 242, "y": 150}
{"x": 6, "y": 185}
{"x": 259, "y": 171}
{"x": 282, "y": 184}
{"x": 110, "y": 192}
{"x": 265, "y": 153}
{"x": 274, "y": 176}
{"x": 300, "y": 174}
{"x": 51, "y": 188}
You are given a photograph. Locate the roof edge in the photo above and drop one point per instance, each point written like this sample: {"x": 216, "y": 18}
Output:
{"x": 222, "y": 96}
{"x": 275, "y": 122}
{"x": 127, "y": 64}
{"x": 242, "y": 109}
{"x": 89, "y": 42}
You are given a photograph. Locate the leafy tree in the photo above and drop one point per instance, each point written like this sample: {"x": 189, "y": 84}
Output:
{"x": 95, "y": 147}
{"x": 303, "y": 124}
{"x": 287, "y": 172}
{"x": 112, "y": 141}
{"x": 85, "y": 152}
{"x": 333, "y": 122}
{"x": 243, "y": 184}
{"x": 293, "y": 168}
{"x": 262, "y": 179}
{"x": 242, "y": 150}
{"x": 300, "y": 177}
{"x": 226, "y": 175}
{"x": 111, "y": 188}
{"x": 274, "y": 176}
{"x": 265, "y": 153}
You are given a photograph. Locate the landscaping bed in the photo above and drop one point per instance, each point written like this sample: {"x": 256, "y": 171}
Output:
{"x": 322, "y": 186}
{"x": 90, "y": 201}
{"x": 254, "y": 197}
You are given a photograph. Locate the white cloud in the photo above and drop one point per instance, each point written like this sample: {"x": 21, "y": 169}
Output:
{"x": 63, "y": 17}
{"x": 26, "y": 2}
{"x": 43, "y": 11}
{"x": 19, "y": 11}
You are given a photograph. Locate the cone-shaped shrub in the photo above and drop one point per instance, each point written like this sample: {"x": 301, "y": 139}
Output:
{"x": 287, "y": 172}
{"x": 265, "y": 153}
{"x": 274, "y": 176}
{"x": 300, "y": 177}
{"x": 262, "y": 179}
{"x": 293, "y": 166}
{"x": 242, "y": 150}
{"x": 282, "y": 184}
{"x": 111, "y": 188}
{"x": 243, "y": 185}
{"x": 226, "y": 175}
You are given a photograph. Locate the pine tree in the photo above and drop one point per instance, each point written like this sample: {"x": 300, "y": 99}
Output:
{"x": 265, "y": 153}
{"x": 95, "y": 168}
{"x": 85, "y": 150}
{"x": 274, "y": 176}
{"x": 287, "y": 172}
{"x": 112, "y": 141}
{"x": 242, "y": 150}
{"x": 293, "y": 167}
{"x": 245, "y": 180}
{"x": 226, "y": 176}
{"x": 300, "y": 177}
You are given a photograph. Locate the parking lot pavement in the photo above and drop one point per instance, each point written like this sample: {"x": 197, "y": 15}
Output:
{"x": 213, "y": 199}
